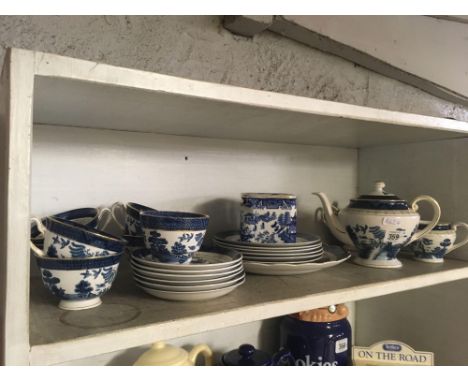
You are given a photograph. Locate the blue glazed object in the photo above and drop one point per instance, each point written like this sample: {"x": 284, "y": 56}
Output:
{"x": 429, "y": 249}
{"x": 439, "y": 226}
{"x": 247, "y": 355}
{"x": 132, "y": 221}
{"x": 172, "y": 236}
{"x": 370, "y": 204}
{"x": 371, "y": 241}
{"x": 67, "y": 239}
{"x": 317, "y": 343}
{"x": 268, "y": 218}
{"x": 174, "y": 220}
{"x": 78, "y": 283}
{"x": 378, "y": 225}
{"x": 85, "y": 216}
{"x": 440, "y": 241}
{"x": 73, "y": 264}
{"x": 86, "y": 235}
{"x": 134, "y": 242}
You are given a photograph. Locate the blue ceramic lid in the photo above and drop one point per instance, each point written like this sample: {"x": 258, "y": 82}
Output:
{"x": 379, "y": 200}
{"x": 246, "y": 355}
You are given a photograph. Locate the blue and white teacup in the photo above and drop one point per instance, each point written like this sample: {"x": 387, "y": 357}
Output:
{"x": 173, "y": 237}
{"x": 66, "y": 239}
{"x": 78, "y": 283}
{"x": 97, "y": 218}
{"x": 268, "y": 218}
{"x": 440, "y": 241}
{"x": 130, "y": 213}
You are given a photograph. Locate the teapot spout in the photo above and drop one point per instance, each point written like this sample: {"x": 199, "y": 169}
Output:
{"x": 332, "y": 221}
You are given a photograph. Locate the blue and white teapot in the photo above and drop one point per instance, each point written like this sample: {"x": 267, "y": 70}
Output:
{"x": 378, "y": 225}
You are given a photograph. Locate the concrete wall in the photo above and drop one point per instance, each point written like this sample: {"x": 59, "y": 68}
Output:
{"x": 198, "y": 47}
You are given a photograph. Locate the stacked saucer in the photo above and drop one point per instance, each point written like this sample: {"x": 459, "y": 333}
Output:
{"x": 307, "y": 254}
{"x": 306, "y": 249}
{"x": 209, "y": 275}
{"x": 333, "y": 256}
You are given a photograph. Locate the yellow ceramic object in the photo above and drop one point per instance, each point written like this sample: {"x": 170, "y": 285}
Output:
{"x": 162, "y": 354}
{"x": 327, "y": 314}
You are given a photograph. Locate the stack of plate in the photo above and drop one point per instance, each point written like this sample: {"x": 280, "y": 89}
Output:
{"x": 209, "y": 275}
{"x": 307, "y": 248}
{"x": 306, "y": 255}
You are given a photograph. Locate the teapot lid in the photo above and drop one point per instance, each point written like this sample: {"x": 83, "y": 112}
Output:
{"x": 246, "y": 355}
{"x": 379, "y": 200}
{"x": 162, "y": 354}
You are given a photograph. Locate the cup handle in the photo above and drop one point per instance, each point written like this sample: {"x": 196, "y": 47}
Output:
{"x": 435, "y": 219}
{"x": 104, "y": 222}
{"x": 114, "y": 207}
{"x": 205, "y": 350}
{"x": 41, "y": 229}
{"x": 463, "y": 242}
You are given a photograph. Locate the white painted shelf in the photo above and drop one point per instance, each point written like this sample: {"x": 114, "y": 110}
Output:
{"x": 129, "y": 317}
{"x": 70, "y": 92}
{"x": 59, "y": 93}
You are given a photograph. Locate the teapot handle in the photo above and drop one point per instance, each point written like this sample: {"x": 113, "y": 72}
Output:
{"x": 205, "y": 350}
{"x": 435, "y": 219}
{"x": 463, "y": 242}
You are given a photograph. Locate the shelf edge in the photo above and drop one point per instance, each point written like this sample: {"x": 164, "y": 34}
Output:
{"x": 85, "y": 347}
{"x": 51, "y": 65}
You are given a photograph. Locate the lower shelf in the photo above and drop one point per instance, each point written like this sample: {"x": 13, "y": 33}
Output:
{"x": 129, "y": 317}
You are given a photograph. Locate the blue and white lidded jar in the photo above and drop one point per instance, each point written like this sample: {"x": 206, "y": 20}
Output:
{"x": 434, "y": 245}
{"x": 268, "y": 218}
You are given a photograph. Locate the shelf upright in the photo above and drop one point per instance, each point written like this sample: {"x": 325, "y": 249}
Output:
{"x": 16, "y": 103}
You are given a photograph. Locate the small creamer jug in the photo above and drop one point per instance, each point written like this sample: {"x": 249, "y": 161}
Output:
{"x": 162, "y": 354}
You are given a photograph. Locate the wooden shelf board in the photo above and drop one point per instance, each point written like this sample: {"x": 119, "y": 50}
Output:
{"x": 71, "y": 92}
{"x": 129, "y": 317}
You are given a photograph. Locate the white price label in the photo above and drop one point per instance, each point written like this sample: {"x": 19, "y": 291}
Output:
{"x": 341, "y": 345}
{"x": 390, "y": 220}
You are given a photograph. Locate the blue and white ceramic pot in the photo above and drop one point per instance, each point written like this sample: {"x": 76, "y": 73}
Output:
{"x": 173, "y": 237}
{"x": 69, "y": 240}
{"x": 317, "y": 343}
{"x": 78, "y": 283}
{"x": 378, "y": 225}
{"x": 91, "y": 217}
{"x": 434, "y": 245}
{"x": 131, "y": 216}
{"x": 268, "y": 218}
